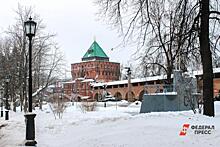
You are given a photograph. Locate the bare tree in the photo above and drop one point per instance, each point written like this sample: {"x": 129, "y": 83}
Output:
{"x": 169, "y": 32}
{"x": 57, "y": 105}
{"x": 167, "y": 23}
{"x": 47, "y": 60}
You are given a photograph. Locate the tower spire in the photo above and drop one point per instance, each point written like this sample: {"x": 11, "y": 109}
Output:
{"x": 95, "y": 52}
{"x": 94, "y": 38}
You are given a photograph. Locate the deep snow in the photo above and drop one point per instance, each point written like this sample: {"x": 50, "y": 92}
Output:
{"x": 114, "y": 126}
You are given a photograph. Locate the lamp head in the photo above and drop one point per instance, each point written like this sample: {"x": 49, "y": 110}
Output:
{"x": 30, "y": 27}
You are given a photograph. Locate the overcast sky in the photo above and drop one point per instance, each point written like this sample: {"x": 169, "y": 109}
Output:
{"x": 75, "y": 23}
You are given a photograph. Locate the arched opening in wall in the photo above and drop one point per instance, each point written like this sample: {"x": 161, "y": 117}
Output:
{"x": 141, "y": 94}
{"x": 118, "y": 95}
{"x": 132, "y": 95}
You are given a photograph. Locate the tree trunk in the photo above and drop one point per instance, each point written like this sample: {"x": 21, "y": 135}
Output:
{"x": 206, "y": 57}
{"x": 169, "y": 72}
{"x": 41, "y": 102}
{"x": 14, "y": 101}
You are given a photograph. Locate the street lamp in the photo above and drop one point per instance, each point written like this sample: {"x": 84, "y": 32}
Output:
{"x": 1, "y": 91}
{"x": 7, "y": 80}
{"x": 30, "y": 30}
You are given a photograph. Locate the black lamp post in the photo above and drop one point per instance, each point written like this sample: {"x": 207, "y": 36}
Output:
{"x": 7, "y": 79}
{"x": 30, "y": 30}
{"x": 1, "y": 91}
{"x": 6, "y": 95}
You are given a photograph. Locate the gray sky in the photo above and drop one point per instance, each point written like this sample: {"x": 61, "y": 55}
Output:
{"x": 75, "y": 23}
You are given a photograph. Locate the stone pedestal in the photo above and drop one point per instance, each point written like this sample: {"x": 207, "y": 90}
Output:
{"x": 30, "y": 129}
{"x": 6, "y": 115}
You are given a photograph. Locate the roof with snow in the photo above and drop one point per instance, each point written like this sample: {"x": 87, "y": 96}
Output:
{"x": 87, "y": 80}
{"x": 69, "y": 82}
{"x": 153, "y": 78}
{"x": 95, "y": 52}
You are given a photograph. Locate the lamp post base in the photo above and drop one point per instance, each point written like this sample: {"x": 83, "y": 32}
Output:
{"x": 30, "y": 143}
{"x": 30, "y": 129}
{"x": 6, "y": 115}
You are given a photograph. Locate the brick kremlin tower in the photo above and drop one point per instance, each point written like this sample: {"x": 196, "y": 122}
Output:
{"x": 94, "y": 67}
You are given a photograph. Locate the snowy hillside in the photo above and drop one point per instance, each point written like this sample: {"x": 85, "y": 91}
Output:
{"x": 113, "y": 126}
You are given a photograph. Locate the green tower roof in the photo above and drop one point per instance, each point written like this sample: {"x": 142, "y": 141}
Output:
{"x": 95, "y": 52}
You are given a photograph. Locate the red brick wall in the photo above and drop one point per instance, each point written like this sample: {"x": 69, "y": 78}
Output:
{"x": 137, "y": 89}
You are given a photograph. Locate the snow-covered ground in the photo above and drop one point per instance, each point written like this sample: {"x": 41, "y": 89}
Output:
{"x": 113, "y": 126}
